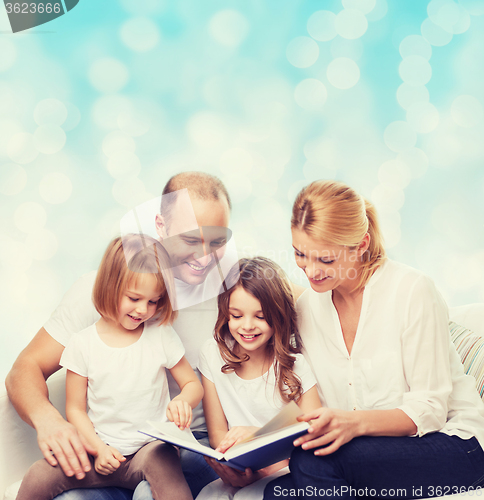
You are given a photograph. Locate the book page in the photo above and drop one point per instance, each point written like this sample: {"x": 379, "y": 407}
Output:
{"x": 286, "y": 417}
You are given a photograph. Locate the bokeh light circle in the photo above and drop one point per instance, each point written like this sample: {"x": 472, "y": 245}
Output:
{"x": 449, "y": 15}
{"x": 378, "y": 12}
{"x": 364, "y": 6}
{"x": 236, "y": 160}
{"x": 351, "y": 24}
{"x": 415, "y": 45}
{"x": 140, "y": 34}
{"x": 49, "y": 139}
{"x": 108, "y": 75}
{"x": 387, "y": 198}
{"x": 130, "y": 192}
{"x": 107, "y": 109}
{"x": 415, "y": 70}
{"x": 30, "y": 217}
{"x": 21, "y": 148}
{"x": 117, "y": 141}
{"x": 394, "y": 173}
{"x": 343, "y": 73}
{"x": 435, "y": 34}
{"x": 42, "y": 244}
{"x": 321, "y": 25}
{"x": 207, "y": 129}
{"x": 466, "y": 111}
{"x": 229, "y": 27}
{"x": 423, "y": 117}
{"x": 416, "y": 160}
{"x": 474, "y": 7}
{"x": 407, "y": 95}
{"x": 399, "y": 136}
{"x": 55, "y": 188}
{"x": 302, "y": 52}
{"x": 9, "y": 54}
{"x": 239, "y": 185}
{"x": 123, "y": 164}
{"x": 50, "y": 112}
{"x": 134, "y": 122}
{"x": 13, "y": 179}
{"x": 310, "y": 94}
{"x": 341, "y": 47}
{"x": 73, "y": 117}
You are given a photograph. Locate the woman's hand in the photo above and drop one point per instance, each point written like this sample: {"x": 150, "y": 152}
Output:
{"x": 179, "y": 412}
{"x": 108, "y": 459}
{"x": 234, "y": 436}
{"x": 329, "y": 428}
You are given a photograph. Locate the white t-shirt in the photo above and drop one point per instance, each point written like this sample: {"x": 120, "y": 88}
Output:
{"x": 126, "y": 386}
{"x": 402, "y": 356}
{"x": 194, "y": 325}
{"x": 248, "y": 402}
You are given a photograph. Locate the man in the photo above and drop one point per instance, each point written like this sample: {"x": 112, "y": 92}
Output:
{"x": 58, "y": 440}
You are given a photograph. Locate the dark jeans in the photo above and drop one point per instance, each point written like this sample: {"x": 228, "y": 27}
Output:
{"x": 398, "y": 467}
{"x": 196, "y": 470}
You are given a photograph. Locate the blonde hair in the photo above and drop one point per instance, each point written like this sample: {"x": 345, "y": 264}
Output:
{"x": 334, "y": 213}
{"x": 128, "y": 258}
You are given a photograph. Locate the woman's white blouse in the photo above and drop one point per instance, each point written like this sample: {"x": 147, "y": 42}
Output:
{"x": 402, "y": 356}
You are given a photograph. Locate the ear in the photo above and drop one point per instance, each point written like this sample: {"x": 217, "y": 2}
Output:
{"x": 160, "y": 226}
{"x": 364, "y": 244}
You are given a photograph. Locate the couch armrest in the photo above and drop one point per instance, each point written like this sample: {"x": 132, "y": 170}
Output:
{"x": 18, "y": 441}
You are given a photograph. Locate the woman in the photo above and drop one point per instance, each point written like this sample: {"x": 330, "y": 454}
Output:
{"x": 399, "y": 417}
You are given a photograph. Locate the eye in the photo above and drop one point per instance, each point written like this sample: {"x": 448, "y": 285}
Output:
{"x": 298, "y": 253}
{"x": 133, "y": 299}
{"x": 154, "y": 302}
{"x": 260, "y": 317}
{"x": 192, "y": 242}
{"x": 323, "y": 261}
{"x": 218, "y": 243}
{"x": 235, "y": 317}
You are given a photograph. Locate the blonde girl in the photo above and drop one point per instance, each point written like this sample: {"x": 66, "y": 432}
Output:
{"x": 117, "y": 366}
{"x": 252, "y": 368}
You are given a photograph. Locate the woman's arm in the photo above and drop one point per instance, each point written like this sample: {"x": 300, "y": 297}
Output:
{"x": 191, "y": 392}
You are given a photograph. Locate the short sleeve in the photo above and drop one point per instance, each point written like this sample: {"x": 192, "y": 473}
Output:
{"x": 173, "y": 346}
{"x": 75, "y": 312}
{"x": 304, "y": 372}
{"x": 206, "y": 359}
{"x": 75, "y": 355}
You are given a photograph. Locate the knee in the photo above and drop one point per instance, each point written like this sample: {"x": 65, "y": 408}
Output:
{"x": 39, "y": 480}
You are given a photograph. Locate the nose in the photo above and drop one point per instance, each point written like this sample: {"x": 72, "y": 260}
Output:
{"x": 203, "y": 260}
{"x": 313, "y": 272}
{"x": 248, "y": 324}
{"x": 141, "y": 307}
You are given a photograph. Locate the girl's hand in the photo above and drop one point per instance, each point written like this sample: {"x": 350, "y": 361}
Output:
{"x": 233, "y": 477}
{"x": 329, "y": 428}
{"x": 108, "y": 459}
{"x": 234, "y": 436}
{"x": 179, "y": 412}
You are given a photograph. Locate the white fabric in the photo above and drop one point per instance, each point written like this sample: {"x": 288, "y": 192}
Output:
{"x": 402, "y": 356}
{"x": 126, "y": 385}
{"x": 471, "y": 316}
{"x": 194, "y": 325}
{"x": 248, "y": 402}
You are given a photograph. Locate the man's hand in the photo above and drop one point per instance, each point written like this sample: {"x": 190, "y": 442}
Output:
{"x": 108, "y": 459}
{"x": 61, "y": 444}
{"x": 234, "y": 477}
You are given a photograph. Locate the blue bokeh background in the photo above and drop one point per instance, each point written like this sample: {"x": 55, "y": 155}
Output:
{"x": 99, "y": 107}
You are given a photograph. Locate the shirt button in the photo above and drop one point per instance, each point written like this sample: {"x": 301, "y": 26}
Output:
{"x": 354, "y": 407}
{"x": 350, "y": 383}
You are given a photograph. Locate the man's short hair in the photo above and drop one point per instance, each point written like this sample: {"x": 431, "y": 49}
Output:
{"x": 199, "y": 184}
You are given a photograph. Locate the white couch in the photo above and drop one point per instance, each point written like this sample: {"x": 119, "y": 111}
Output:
{"x": 18, "y": 443}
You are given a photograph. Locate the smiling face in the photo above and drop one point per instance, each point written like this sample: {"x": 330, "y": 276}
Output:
{"x": 138, "y": 302}
{"x": 327, "y": 266}
{"x": 192, "y": 250}
{"x": 246, "y": 323}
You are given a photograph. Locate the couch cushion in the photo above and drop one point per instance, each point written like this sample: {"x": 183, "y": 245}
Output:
{"x": 471, "y": 316}
{"x": 470, "y": 348}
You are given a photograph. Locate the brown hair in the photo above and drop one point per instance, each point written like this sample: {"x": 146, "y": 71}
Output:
{"x": 125, "y": 259}
{"x": 266, "y": 281}
{"x": 333, "y": 213}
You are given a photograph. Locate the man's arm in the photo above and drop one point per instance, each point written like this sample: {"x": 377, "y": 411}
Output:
{"x": 28, "y": 392}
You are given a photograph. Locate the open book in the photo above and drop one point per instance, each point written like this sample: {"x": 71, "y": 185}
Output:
{"x": 270, "y": 444}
